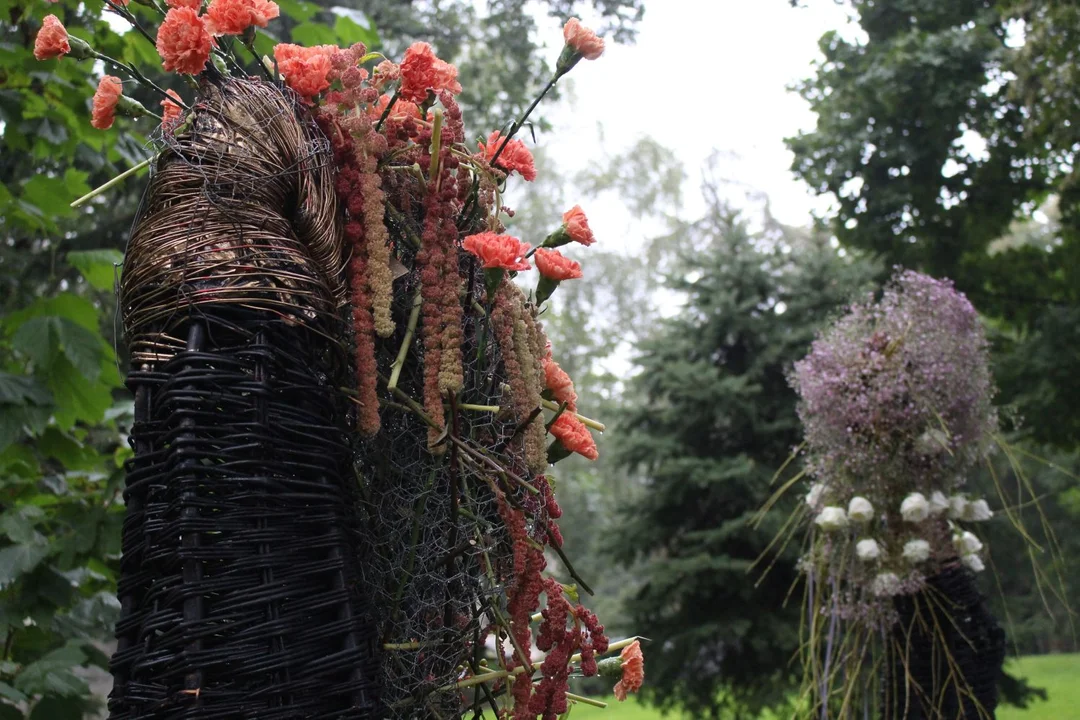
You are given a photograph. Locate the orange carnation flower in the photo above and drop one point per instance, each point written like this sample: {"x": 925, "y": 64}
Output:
{"x": 559, "y": 383}
{"x": 183, "y": 41}
{"x": 51, "y": 40}
{"x": 170, "y": 111}
{"x": 402, "y": 109}
{"x": 306, "y": 69}
{"x": 193, "y": 4}
{"x": 554, "y": 266}
{"x": 233, "y": 17}
{"x": 498, "y": 251}
{"x": 574, "y": 436}
{"x": 577, "y": 226}
{"x": 515, "y": 156}
{"x": 633, "y": 670}
{"x": 106, "y": 97}
{"x": 583, "y": 40}
{"x": 421, "y": 70}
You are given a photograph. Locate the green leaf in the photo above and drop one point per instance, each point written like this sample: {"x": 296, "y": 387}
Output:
{"x": 66, "y": 305}
{"x": 10, "y": 693}
{"x": 349, "y": 31}
{"x": 19, "y": 526}
{"x": 22, "y": 390}
{"x": 99, "y": 267}
{"x": 10, "y": 712}
{"x": 82, "y": 401}
{"x": 82, "y": 347}
{"x": 75, "y": 455}
{"x": 298, "y": 10}
{"x": 311, "y": 34}
{"x": 38, "y": 340}
{"x": 49, "y": 195}
{"x": 17, "y": 560}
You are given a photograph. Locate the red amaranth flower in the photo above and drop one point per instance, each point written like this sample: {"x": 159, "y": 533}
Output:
{"x": 233, "y": 17}
{"x": 106, "y": 97}
{"x": 170, "y": 111}
{"x": 577, "y": 226}
{"x": 498, "y": 251}
{"x": 583, "y": 40}
{"x": 560, "y": 384}
{"x": 51, "y": 40}
{"x": 515, "y": 156}
{"x": 422, "y": 70}
{"x": 574, "y": 436}
{"x": 633, "y": 668}
{"x": 306, "y": 69}
{"x": 183, "y": 41}
{"x": 553, "y": 265}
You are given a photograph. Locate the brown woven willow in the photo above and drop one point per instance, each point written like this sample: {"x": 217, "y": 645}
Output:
{"x": 947, "y": 653}
{"x": 240, "y": 588}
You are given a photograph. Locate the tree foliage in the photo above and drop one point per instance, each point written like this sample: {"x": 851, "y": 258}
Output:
{"x": 709, "y": 420}
{"x": 938, "y": 125}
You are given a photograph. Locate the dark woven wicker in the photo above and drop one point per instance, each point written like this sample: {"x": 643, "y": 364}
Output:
{"x": 239, "y": 588}
{"x": 947, "y": 653}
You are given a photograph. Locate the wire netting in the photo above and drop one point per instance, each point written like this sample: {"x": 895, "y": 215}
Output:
{"x": 442, "y": 558}
{"x": 947, "y": 652}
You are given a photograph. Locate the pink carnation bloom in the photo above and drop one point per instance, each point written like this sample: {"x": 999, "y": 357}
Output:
{"x": 574, "y": 436}
{"x": 51, "y": 40}
{"x": 559, "y": 383}
{"x": 554, "y": 266}
{"x": 498, "y": 251}
{"x": 582, "y": 39}
{"x": 183, "y": 41}
{"x": 306, "y": 69}
{"x": 633, "y": 669}
{"x": 421, "y": 71}
{"x": 515, "y": 156}
{"x": 106, "y": 97}
{"x": 577, "y": 226}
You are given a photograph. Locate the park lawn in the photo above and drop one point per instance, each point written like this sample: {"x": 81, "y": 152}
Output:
{"x": 1059, "y": 675}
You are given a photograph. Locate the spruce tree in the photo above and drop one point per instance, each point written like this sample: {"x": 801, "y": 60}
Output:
{"x": 709, "y": 421}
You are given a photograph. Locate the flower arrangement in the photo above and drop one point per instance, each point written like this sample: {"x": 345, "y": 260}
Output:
{"x": 454, "y": 380}
{"x": 895, "y": 398}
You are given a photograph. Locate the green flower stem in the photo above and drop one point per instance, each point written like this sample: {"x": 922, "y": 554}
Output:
{"x": 115, "y": 181}
{"x": 403, "y": 351}
{"x": 520, "y": 122}
{"x": 594, "y": 424}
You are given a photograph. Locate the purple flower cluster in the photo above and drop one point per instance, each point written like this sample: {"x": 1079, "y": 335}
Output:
{"x": 895, "y": 397}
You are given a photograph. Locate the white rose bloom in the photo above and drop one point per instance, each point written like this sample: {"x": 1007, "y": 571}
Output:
{"x": 832, "y": 518}
{"x": 886, "y": 583}
{"x": 939, "y": 504}
{"x": 957, "y": 507}
{"x": 860, "y": 510}
{"x": 916, "y": 551}
{"x": 867, "y": 550}
{"x": 974, "y": 563}
{"x": 978, "y": 511}
{"x": 966, "y": 543}
{"x": 813, "y": 498}
{"x": 915, "y": 508}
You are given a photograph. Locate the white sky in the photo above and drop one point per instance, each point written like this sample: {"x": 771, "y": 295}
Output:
{"x": 704, "y": 75}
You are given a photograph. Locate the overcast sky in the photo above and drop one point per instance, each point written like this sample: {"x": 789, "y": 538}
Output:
{"x": 704, "y": 75}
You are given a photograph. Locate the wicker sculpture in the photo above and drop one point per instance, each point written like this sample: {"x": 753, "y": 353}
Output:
{"x": 239, "y": 587}
{"x": 339, "y": 504}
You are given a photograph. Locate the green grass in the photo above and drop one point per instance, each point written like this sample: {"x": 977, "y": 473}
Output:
{"x": 1059, "y": 675}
